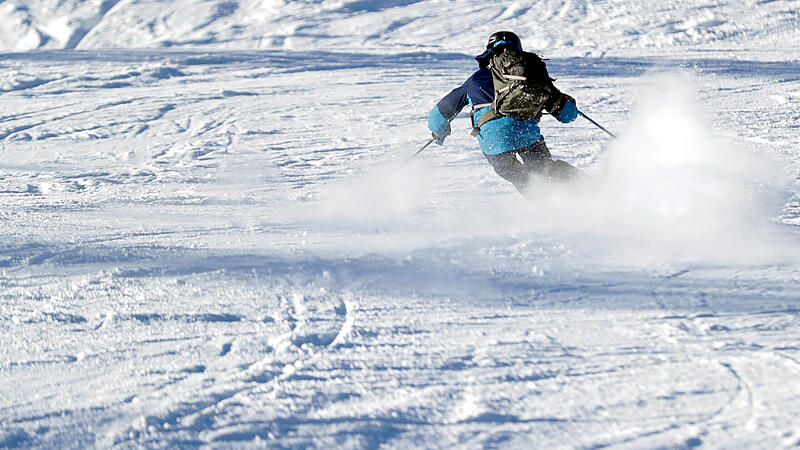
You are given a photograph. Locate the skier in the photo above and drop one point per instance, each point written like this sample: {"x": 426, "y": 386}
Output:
{"x": 515, "y": 148}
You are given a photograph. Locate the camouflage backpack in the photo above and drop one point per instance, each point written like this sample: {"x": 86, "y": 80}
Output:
{"x": 522, "y": 86}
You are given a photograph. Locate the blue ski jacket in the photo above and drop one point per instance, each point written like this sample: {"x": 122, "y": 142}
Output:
{"x": 497, "y": 136}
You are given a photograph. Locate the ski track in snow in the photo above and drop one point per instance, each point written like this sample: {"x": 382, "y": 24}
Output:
{"x": 217, "y": 248}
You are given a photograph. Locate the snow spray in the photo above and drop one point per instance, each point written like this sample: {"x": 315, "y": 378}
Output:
{"x": 382, "y": 196}
{"x": 670, "y": 189}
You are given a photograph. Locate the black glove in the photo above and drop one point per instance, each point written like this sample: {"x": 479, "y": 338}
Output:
{"x": 559, "y": 104}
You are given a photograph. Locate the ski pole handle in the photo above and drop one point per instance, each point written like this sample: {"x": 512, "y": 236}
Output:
{"x": 595, "y": 123}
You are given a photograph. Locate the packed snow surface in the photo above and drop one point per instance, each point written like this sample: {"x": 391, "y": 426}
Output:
{"x": 211, "y": 235}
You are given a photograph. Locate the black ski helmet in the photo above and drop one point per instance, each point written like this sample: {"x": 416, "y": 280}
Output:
{"x": 500, "y": 36}
{"x": 503, "y": 36}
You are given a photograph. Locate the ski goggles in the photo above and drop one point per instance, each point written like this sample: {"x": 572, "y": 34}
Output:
{"x": 489, "y": 51}
{"x": 508, "y": 43}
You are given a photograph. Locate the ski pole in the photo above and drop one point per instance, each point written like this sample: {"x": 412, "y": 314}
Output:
{"x": 595, "y": 123}
{"x": 419, "y": 151}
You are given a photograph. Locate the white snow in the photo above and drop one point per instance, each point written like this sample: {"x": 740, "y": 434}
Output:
{"x": 210, "y": 237}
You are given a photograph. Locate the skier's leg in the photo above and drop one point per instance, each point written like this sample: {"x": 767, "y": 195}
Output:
{"x": 536, "y": 158}
{"x": 559, "y": 170}
{"x": 509, "y": 168}
{"x": 540, "y": 163}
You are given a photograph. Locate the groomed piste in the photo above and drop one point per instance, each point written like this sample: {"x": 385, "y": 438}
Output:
{"x": 209, "y": 236}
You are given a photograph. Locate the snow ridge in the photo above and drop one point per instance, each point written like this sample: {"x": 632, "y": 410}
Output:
{"x": 575, "y": 27}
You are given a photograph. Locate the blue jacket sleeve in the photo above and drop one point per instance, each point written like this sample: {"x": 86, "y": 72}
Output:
{"x": 437, "y": 123}
{"x": 444, "y": 111}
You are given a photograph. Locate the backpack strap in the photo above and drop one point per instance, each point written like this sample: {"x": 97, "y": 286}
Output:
{"x": 476, "y": 129}
{"x": 491, "y": 114}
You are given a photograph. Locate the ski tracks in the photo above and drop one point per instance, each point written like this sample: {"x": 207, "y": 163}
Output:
{"x": 748, "y": 347}
{"x": 209, "y": 406}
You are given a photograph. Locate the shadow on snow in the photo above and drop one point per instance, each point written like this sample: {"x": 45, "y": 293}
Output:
{"x": 287, "y": 61}
{"x": 433, "y": 272}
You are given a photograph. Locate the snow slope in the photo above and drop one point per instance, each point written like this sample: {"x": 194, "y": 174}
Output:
{"x": 572, "y": 27}
{"x": 209, "y": 238}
